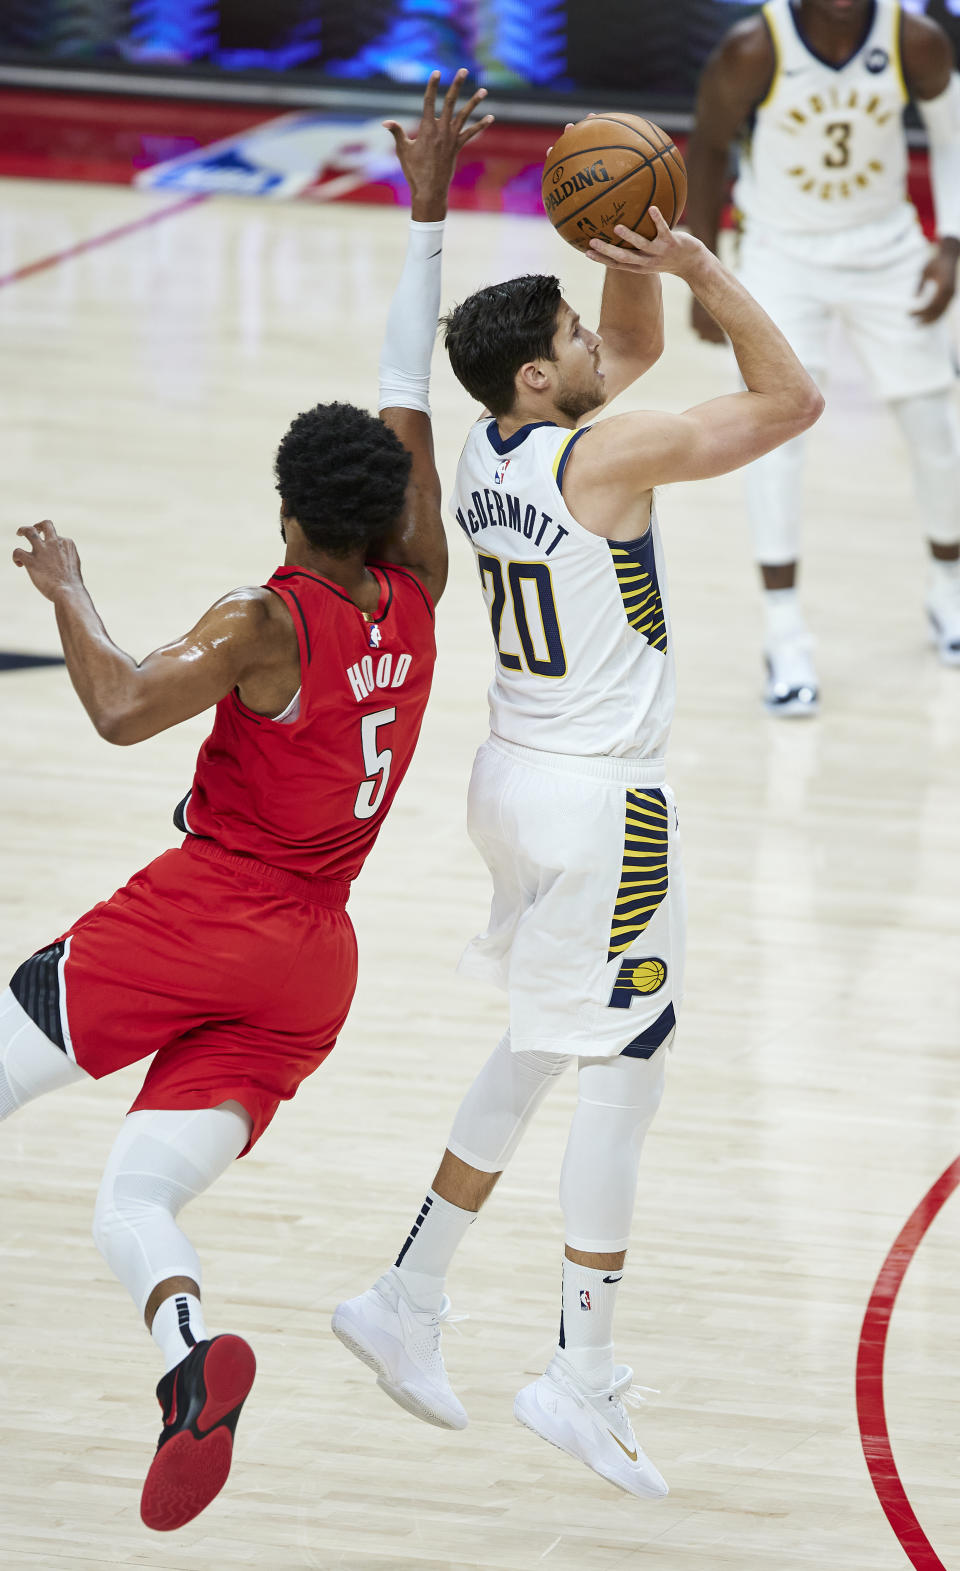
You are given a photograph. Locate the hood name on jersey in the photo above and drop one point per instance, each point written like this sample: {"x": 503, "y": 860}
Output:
{"x": 364, "y": 677}
{"x": 503, "y": 510}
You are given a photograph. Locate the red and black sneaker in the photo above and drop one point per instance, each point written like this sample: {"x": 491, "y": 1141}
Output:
{"x": 201, "y": 1400}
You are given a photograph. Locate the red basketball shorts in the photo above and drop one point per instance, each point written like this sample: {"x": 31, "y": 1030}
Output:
{"x": 238, "y": 976}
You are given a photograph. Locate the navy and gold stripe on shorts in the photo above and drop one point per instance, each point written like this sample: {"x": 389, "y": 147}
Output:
{"x": 640, "y": 594}
{"x": 643, "y": 878}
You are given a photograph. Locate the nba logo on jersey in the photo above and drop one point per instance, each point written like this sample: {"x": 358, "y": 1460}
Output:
{"x": 584, "y": 1298}
{"x": 376, "y": 637}
{"x": 500, "y": 471}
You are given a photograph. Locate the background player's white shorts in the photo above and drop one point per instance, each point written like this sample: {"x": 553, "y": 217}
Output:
{"x": 585, "y": 859}
{"x": 872, "y": 297}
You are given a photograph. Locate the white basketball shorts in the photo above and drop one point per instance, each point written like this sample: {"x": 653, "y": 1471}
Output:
{"x": 588, "y": 918}
{"x": 873, "y": 300}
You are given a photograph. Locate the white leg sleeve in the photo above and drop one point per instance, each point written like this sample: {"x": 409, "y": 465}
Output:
{"x": 159, "y": 1161}
{"x": 931, "y": 430}
{"x": 773, "y": 488}
{"x": 617, "y": 1100}
{"x": 500, "y": 1104}
{"x": 30, "y": 1063}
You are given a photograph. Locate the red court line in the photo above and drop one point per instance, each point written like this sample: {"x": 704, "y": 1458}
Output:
{"x": 56, "y": 257}
{"x": 871, "y": 1410}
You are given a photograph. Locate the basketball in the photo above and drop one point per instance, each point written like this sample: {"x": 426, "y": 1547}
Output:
{"x": 649, "y": 976}
{"x": 610, "y": 170}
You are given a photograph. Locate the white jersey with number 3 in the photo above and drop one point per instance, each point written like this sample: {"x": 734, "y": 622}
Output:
{"x": 580, "y": 623}
{"x": 827, "y": 154}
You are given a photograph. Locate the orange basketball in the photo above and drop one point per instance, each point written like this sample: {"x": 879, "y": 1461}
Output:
{"x": 610, "y": 170}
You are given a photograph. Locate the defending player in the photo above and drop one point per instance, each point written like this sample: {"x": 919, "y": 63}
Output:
{"x": 816, "y": 89}
{"x": 233, "y": 958}
{"x": 568, "y": 803}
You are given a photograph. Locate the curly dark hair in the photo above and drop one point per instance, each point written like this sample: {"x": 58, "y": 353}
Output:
{"x": 496, "y": 331}
{"x": 342, "y": 475}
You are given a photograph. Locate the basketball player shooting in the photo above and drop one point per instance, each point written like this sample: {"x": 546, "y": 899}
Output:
{"x": 815, "y": 89}
{"x": 568, "y": 803}
{"x": 232, "y": 958}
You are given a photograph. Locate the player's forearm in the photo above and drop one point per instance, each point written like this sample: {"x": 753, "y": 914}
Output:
{"x": 767, "y": 363}
{"x": 103, "y": 676}
{"x": 412, "y": 322}
{"x": 706, "y": 190}
{"x": 631, "y": 318}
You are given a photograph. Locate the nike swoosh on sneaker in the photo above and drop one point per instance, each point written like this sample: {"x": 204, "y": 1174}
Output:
{"x": 631, "y": 1454}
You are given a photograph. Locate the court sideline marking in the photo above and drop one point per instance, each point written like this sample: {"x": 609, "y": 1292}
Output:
{"x": 871, "y": 1410}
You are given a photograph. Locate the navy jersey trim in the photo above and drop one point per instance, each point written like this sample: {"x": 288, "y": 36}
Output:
{"x": 36, "y": 987}
{"x": 652, "y": 1037}
{"x": 832, "y": 64}
{"x": 393, "y": 567}
{"x": 565, "y": 455}
{"x": 507, "y": 444}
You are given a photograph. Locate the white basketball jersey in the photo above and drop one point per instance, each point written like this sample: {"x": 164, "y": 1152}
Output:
{"x": 580, "y": 623}
{"x": 828, "y": 152}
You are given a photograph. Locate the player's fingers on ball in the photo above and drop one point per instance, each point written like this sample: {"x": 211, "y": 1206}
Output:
{"x": 631, "y": 238}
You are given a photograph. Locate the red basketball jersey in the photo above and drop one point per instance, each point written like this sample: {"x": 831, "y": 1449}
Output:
{"x": 308, "y": 791}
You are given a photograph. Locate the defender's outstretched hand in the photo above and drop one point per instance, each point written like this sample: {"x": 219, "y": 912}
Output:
{"x": 53, "y": 563}
{"x": 429, "y": 158}
{"x": 673, "y": 251}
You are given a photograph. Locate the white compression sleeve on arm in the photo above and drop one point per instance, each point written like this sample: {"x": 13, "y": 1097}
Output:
{"x": 941, "y": 116}
{"x": 412, "y": 323}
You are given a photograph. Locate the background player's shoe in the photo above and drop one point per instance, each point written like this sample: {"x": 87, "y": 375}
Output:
{"x": 590, "y": 1425}
{"x": 943, "y": 611}
{"x": 791, "y": 688}
{"x": 201, "y": 1400}
{"x": 401, "y": 1344}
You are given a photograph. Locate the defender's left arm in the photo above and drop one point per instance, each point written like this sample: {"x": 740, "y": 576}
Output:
{"x": 428, "y": 161}
{"x": 933, "y": 84}
{"x": 241, "y": 637}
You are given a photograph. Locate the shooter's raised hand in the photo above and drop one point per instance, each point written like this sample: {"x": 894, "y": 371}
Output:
{"x": 429, "y": 158}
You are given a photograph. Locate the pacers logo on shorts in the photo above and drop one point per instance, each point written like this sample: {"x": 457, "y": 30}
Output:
{"x": 637, "y": 978}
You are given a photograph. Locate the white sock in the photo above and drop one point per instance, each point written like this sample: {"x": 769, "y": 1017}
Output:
{"x": 178, "y": 1325}
{"x": 432, "y": 1242}
{"x": 782, "y": 613}
{"x": 586, "y": 1323}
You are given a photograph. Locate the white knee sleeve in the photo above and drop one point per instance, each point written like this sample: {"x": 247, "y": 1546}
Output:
{"x": 30, "y": 1063}
{"x": 500, "y": 1104}
{"x": 159, "y": 1161}
{"x": 931, "y": 430}
{"x": 617, "y": 1100}
{"x": 774, "y": 494}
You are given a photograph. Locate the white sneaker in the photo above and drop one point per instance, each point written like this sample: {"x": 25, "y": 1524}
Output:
{"x": 401, "y": 1344}
{"x": 590, "y": 1425}
{"x": 943, "y": 611}
{"x": 791, "y": 688}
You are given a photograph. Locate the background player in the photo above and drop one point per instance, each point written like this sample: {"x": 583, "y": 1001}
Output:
{"x": 210, "y": 957}
{"x": 817, "y": 89}
{"x": 568, "y": 801}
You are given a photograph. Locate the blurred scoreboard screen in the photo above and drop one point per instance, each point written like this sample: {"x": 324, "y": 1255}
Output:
{"x": 651, "y": 49}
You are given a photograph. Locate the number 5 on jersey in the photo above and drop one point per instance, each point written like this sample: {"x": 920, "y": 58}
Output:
{"x": 376, "y": 763}
{"x": 531, "y": 591}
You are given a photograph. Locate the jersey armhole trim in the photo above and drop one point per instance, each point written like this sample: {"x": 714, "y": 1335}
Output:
{"x": 771, "y": 26}
{"x": 896, "y": 52}
{"x": 393, "y": 567}
{"x": 563, "y": 454}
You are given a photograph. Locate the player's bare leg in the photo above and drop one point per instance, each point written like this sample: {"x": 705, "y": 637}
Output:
{"x": 161, "y": 1160}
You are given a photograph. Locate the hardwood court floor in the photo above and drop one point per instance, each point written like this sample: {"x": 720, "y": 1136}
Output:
{"x": 811, "y": 1100}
